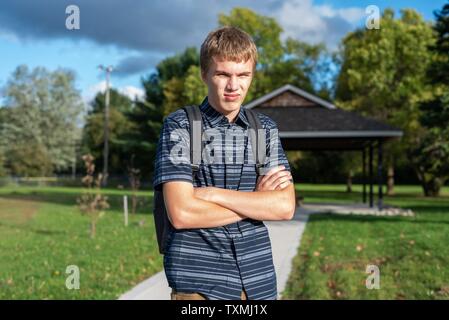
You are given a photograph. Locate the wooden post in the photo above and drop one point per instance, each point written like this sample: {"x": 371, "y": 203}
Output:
{"x": 125, "y": 208}
{"x": 371, "y": 174}
{"x": 379, "y": 174}
{"x": 364, "y": 174}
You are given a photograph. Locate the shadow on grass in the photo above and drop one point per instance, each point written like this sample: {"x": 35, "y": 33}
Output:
{"x": 423, "y": 209}
{"x": 28, "y": 229}
{"x": 358, "y": 195}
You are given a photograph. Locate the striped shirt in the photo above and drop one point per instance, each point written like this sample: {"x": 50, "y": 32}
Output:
{"x": 218, "y": 262}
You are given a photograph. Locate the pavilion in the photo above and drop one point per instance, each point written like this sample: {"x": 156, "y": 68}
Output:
{"x": 307, "y": 122}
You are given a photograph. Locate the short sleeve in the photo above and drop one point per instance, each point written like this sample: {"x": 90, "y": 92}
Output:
{"x": 172, "y": 160}
{"x": 275, "y": 152}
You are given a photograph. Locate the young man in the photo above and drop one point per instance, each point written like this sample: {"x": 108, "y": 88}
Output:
{"x": 220, "y": 248}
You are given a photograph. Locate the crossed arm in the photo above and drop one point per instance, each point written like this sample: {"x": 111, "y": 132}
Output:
{"x": 208, "y": 207}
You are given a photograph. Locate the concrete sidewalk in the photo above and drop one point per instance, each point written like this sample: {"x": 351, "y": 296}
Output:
{"x": 285, "y": 238}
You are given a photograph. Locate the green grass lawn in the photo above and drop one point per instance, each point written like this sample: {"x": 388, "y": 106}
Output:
{"x": 411, "y": 252}
{"x": 42, "y": 232}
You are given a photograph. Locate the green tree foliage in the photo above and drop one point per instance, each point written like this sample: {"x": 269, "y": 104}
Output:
{"x": 430, "y": 155}
{"x": 3, "y": 171}
{"x": 178, "y": 65}
{"x": 39, "y": 122}
{"x": 194, "y": 88}
{"x": 29, "y": 161}
{"x": 383, "y": 74}
{"x": 175, "y": 83}
{"x": 147, "y": 121}
{"x": 120, "y": 127}
{"x": 289, "y": 62}
{"x": 439, "y": 69}
{"x": 383, "y": 71}
{"x": 264, "y": 30}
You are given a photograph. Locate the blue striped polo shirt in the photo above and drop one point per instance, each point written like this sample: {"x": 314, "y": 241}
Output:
{"x": 219, "y": 262}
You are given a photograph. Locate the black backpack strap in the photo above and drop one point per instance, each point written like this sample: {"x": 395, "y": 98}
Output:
{"x": 196, "y": 130}
{"x": 258, "y": 141}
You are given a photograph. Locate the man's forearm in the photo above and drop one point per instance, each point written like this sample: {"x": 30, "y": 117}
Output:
{"x": 258, "y": 205}
{"x": 199, "y": 213}
{"x": 186, "y": 211}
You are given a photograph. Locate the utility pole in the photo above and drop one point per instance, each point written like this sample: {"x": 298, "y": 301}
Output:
{"x": 108, "y": 71}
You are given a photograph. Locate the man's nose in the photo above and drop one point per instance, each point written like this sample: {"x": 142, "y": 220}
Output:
{"x": 233, "y": 84}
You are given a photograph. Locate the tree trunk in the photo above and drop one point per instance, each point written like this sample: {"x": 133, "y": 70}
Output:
{"x": 431, "y": 185}
{"x": 93, "y": 229}
{"x": 390, "y": 181}
{"x": 349, "y": 182}
{"x": 134, "y": 203}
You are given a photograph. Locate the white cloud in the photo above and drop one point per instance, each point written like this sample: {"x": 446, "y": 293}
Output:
{"x": 129, "y": 91}
{"x": 352, "y": 15}
{"x": 92, "y": 91}
{"x": 8, "y": 36}
{"x": 132, "y": 92}
{"x": 303, "y": 20}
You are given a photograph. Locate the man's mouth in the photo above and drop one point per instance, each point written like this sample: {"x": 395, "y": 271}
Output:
{"x": 231, "y": 97}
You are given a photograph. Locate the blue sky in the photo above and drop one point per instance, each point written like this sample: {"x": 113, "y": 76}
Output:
{"x": 135, "y": 36}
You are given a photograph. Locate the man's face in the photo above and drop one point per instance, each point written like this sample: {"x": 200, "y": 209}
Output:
{"x": 228, "y": 83}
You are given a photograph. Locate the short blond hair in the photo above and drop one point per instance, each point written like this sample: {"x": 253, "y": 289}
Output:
{"x": 228, "y": 43}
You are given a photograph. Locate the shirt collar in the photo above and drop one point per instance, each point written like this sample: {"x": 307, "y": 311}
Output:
{"x": 214, "y": 117}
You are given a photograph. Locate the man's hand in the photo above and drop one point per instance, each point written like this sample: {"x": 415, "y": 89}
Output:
{"x": 277, "y": 204}
{"x": 275, "y": 179}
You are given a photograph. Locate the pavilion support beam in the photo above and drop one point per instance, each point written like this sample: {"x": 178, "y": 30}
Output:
{"x": 379, "y": 175}
{"x": 371, "y": 174}
{"x": 364, "y": 174}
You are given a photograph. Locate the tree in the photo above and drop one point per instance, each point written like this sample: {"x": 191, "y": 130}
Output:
{"x": 165, "y": 88}
{"x": 29, "y": 160}
{"x": 165, "y": 92}
{"x": 41, "y": 115}
{"x": 178, "y": 65}
{"x": 141, "y": 141}
{"x": 439, "y": 69}
{"x": 264, "y": 30}
{"x": 2, "y": 144}
{"x": 431, "y": 153}
{"x": 292, "y": 61}
{"x": 383, "y": 75}
{"x": 120, "y": 126}
{"x": 194, "y": 88}
{"x": 92, "y": 203}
